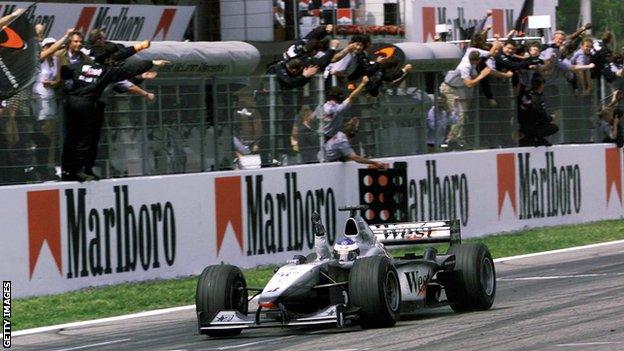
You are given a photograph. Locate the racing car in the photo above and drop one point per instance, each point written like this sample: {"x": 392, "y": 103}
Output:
{"x": 357, "y": 281}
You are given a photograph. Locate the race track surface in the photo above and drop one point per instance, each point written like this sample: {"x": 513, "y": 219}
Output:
{"x": 564, "y": 301}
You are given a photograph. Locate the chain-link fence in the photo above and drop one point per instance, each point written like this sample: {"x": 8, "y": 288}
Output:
{"x": 199, "y": 124}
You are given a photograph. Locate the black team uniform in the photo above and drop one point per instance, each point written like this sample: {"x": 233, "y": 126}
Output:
{"x": 85, "y": 82}
{"x": 534, "y": 120}
{"x": 107, "y": 53}
{"x": 376, "y": 72}
{"x": 297, "y": 50}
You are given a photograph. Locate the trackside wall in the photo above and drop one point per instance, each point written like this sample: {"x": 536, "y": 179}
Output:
{"x": 58, "y": 237}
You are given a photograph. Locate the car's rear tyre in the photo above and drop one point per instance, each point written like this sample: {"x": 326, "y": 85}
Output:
{"x": 472, "y": 284}
{"x": 374, "y": 289}
{"x": 219, "y": 288}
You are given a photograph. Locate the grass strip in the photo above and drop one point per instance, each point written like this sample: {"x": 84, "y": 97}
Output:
{"x": 122, "y": 299}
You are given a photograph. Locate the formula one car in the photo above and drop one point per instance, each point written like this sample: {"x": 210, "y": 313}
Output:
{"x": 358, "y": 282}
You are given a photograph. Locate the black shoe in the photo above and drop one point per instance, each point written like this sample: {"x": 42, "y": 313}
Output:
{"x": 69, "y": 177}
{"x": 76, "y": 177}
{"x": 542, "y": 142}
{"x": 89, "y": 172}
{"x": 455, "y": 144}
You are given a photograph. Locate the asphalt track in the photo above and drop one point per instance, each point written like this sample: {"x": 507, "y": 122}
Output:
{"x": 565, "y": 301}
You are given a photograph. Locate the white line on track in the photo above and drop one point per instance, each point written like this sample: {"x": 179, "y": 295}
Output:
{"x": 551, "y": 252}
{"x": 248, "y": 344}
{"x": 189, "y": 307}
{"x": 102, "y": 320}
{"x": 95, "y": 345}
{"x": 598, "y": 343}
{"x": 548, "y": 277}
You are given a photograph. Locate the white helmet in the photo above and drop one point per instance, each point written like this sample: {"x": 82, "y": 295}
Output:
{"x": 346, "y": 250}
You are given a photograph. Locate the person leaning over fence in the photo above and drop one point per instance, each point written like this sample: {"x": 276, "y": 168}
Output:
{"x": 582, "y": 57}
{"x": 292, "y": 74}
{"x": 338, "y": 148}
{"x": 535, "y": 122}
{"x": 309, "y": 45}
{"x": 343, "y": 62}
{"x": 457, "y": 86}
{"x": 526, "y": 75}
{"x": 84, "y": 82}
{"x": 478, "y": 43}
{"x": 335, "y": 108}
{"x": 609, "y": 124}
{"x": 602, "y": 56}
{"x": 508, "y": 61}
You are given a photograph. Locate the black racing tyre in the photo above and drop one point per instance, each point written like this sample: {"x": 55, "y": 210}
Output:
{"x": 374, "y": 288}
{"x": 219, "y": 288}
{"x": 472, "y": 284}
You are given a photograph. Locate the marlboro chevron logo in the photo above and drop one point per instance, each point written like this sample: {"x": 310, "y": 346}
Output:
{"x": 547, "y": 190}
{"x": 123, "y": 237}
{"x": 268, "y": 222}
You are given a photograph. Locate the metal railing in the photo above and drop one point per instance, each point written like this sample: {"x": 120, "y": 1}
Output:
{"x": 199, "y": 124}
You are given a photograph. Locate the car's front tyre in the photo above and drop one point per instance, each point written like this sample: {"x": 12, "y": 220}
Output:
{"x": 220, "y": 288}
{"x": 472, "y": 284}
{"x": 374, "y": 289}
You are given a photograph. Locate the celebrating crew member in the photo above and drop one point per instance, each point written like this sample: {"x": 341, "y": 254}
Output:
{"x": 84, "y": 81}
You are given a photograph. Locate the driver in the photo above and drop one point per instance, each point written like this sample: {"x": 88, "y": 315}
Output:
{"x": 346, "y": 250}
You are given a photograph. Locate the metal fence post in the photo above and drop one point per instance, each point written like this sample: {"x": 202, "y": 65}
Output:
{"x": 144, "y": 147}
{"x": 560, "y": 119}
{"x": 477, "y": 127}
{"x": 436, "y": 95}
{"x": 272, "y": 116}
{"x": 215, "y": 121}
{"x": 202, "y": 125}
{"x": 160, "y": 125}
{"x": 321, "y": 101}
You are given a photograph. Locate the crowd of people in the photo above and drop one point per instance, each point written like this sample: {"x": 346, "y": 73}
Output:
{"x": 348, "y": 73}
{"x": 534, "y": 69}
{"x": 78, "y": 70}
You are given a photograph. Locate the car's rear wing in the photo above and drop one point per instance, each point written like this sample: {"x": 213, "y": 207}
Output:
{"x": 418, "y": 233}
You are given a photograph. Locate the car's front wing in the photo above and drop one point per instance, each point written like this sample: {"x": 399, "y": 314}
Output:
{"x": 333, "y": 315}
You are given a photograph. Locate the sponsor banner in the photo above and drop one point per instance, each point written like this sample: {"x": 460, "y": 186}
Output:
{"x": 422, "y": 16}
{"x": 69, "y": 236}
{"x": 120, "y": 22}
{"x": 61, "y": 237}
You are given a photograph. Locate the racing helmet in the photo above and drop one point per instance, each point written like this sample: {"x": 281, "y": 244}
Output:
{"x": 346, "y": 250}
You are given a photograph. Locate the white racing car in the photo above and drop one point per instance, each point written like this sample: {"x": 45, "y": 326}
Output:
{"x": 357, "y": 281}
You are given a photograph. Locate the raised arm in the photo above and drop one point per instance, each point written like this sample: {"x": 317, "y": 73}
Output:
{"x": 342, "y": 53}
{"x": 44, "y": 54}
{"x": 474, "y": 81}
{"x": 9, "y": 18}
{"x": 354, "y": 94}
{"x": 579, "y": 31}
{"x": 480, "y": 27}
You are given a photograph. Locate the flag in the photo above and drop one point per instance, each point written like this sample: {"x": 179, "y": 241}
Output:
{"x": 523, "y": 18}
{"x": 19, "y": 57}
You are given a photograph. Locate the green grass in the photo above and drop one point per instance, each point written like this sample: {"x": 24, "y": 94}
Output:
{"x": 135, "y": 297}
